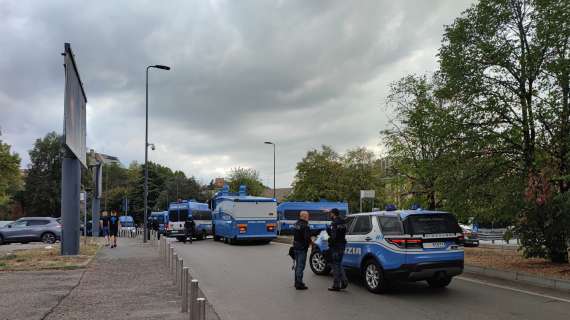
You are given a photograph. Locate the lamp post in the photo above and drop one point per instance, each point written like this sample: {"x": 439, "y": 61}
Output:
{"x": 269, "y": 142}
{"x": 146, "y": 145}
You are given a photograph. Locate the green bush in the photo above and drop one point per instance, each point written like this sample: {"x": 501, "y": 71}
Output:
{"x": 544, "y": 230}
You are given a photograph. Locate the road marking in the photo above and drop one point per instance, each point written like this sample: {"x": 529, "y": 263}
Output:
{"x": 514, "y": 289}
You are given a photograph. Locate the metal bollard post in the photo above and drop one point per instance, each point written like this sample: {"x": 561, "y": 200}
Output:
{"x": 201, "y": 304}
{"x": 185, "y": 274}
{"x": 180, "y": 272}
{"x": 193, "y": 297}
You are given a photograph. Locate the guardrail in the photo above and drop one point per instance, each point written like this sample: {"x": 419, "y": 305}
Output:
{"x": 187, "y": 288}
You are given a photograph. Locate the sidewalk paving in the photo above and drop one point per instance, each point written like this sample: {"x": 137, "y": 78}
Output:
{"x": 127, "y": 282}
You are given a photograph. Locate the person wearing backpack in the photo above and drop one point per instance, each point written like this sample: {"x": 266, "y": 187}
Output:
{"x": 337, "y": 244}
{"x": 114, "y": 225}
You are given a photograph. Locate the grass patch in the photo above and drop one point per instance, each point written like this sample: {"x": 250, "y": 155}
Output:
{"x": 48, "y": 258}
{"x": 512, "y": 260}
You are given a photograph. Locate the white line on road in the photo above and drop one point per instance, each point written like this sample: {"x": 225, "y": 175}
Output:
{"x": 485, "y": 283}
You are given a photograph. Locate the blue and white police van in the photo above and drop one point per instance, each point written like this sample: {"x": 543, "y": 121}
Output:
{"x": 288, "y": 213}
{"x": 406, "y": 245}
{"x": 179, "y": 212}
{"x": 239, "y": 217}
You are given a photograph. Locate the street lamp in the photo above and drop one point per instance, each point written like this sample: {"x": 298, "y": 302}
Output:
{"x": 269, "y": 142}
{"x": 146, "y": 145}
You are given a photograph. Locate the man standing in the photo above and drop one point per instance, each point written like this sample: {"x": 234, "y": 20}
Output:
{"x": 104, "y": 227}
{"x": 189, "y": 226}
{"x": 301, "y": 242}
{"x": 337, "y": 243}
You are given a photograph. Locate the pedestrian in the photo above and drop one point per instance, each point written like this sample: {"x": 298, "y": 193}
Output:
{"x": 301, "y": 243}
{"x": 337, "y": 244}
{"x": 189, "y": 228}
{"x": 156, "y": 228}
{"x": 114, "y": 225}
{"x": 104, "y": 226}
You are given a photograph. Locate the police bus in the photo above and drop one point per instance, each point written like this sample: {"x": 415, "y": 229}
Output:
{"x": 288, "y": 213}
{"x": 179, "y": 212}
{"x": 409, "y": 245}
{"x": 237, "y": 217}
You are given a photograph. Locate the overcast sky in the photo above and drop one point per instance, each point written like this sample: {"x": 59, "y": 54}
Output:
{"x": 299, "y": 73}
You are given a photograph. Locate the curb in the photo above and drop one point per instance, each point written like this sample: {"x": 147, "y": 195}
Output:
{"x": 521, "y": 277}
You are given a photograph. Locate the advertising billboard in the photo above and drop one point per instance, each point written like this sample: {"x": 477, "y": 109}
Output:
{"x": 74, "y": 128}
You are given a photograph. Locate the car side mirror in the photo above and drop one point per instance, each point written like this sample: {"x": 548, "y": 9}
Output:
{"x": 9, "y": 226}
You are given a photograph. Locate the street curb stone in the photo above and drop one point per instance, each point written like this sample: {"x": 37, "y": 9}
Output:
{"x": 521, "y": 277}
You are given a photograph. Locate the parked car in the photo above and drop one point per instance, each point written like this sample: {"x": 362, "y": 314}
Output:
{"x": 28, "y": 229}
{"x": 470, "y": 237}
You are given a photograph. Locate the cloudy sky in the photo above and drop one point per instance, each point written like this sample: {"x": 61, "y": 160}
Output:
{"x": 299, "y": 73}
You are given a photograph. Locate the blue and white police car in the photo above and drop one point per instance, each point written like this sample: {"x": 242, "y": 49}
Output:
{"x": 406, "y": 245}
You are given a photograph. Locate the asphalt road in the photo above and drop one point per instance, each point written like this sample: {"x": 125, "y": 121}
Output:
{"x": 256, "y": 282}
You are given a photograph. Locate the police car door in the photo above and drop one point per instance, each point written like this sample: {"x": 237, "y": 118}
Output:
{"x": 357, "y": 239}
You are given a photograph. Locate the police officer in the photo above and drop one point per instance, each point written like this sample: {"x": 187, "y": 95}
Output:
{"x": 301, "y": 242}
{"x": 189, "y": 226}
{"x": 337, "y": 243}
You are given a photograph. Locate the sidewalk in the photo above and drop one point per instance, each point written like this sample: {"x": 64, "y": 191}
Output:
{"x": 127, "y": 282}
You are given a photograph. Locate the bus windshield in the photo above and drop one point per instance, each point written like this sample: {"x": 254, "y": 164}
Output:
{"x": 176, "y": 215}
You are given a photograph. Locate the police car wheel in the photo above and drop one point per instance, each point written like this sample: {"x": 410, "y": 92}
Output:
{"x": 318, "y": 263}
{"x": 374, "y": 277}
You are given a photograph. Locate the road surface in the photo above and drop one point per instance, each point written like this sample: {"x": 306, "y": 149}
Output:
{"x": 256, "y": 282}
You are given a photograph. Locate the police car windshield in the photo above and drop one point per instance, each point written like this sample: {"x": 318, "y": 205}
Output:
{"x": 431, "y": 224}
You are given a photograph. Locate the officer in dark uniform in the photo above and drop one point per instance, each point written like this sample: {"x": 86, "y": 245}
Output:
{"x": 301, "y": 242}
{"x": 189, "y": 226}
{"x": 337, "y": 244}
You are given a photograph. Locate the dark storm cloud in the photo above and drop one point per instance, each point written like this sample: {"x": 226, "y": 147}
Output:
{"x": 301, "y": 73}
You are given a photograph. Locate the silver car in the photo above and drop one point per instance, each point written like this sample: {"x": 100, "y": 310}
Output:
{"x": 23, "y": 230}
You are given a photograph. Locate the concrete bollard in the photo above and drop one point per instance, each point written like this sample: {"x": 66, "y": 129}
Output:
{"x": 193, "y": 297}
{"x": 175, "y": 268}
{"x": 185, "y": 275}
{"x": 201, "y": 305}
{"x": 180, "y": 272}
{"x": 170, "y": 259}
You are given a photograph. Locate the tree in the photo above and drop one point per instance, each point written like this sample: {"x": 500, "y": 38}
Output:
{"x": 248, "y": 177}
{"x": 361, "y": 172}
{"x": 507, "y": 63}
{"x": 42, "y": 195}
{"x": 10, "y": 176}
{"x": 319, "y": 176}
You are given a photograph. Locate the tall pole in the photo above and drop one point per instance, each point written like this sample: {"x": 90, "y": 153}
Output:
{"x": 146, "y": 144}
{"x": 146, "y": 163}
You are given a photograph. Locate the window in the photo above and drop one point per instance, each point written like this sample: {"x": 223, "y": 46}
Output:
{"x": 432, "y": 223}
{"x": 177, "y": 215}
{"x": 20, "y": 223}
{"x": 349, "y": 222}
{"x": 362, "y": 225}
{"x": 37, "y": 222}
{"x": 202, "y": 215}
{"x": 390, "y": 225}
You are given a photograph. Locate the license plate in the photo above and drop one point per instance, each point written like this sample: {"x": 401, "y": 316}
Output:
{"x": 434, "y": 245}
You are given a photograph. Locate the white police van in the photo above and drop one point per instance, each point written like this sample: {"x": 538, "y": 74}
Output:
{"x": 407, "y": 245}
